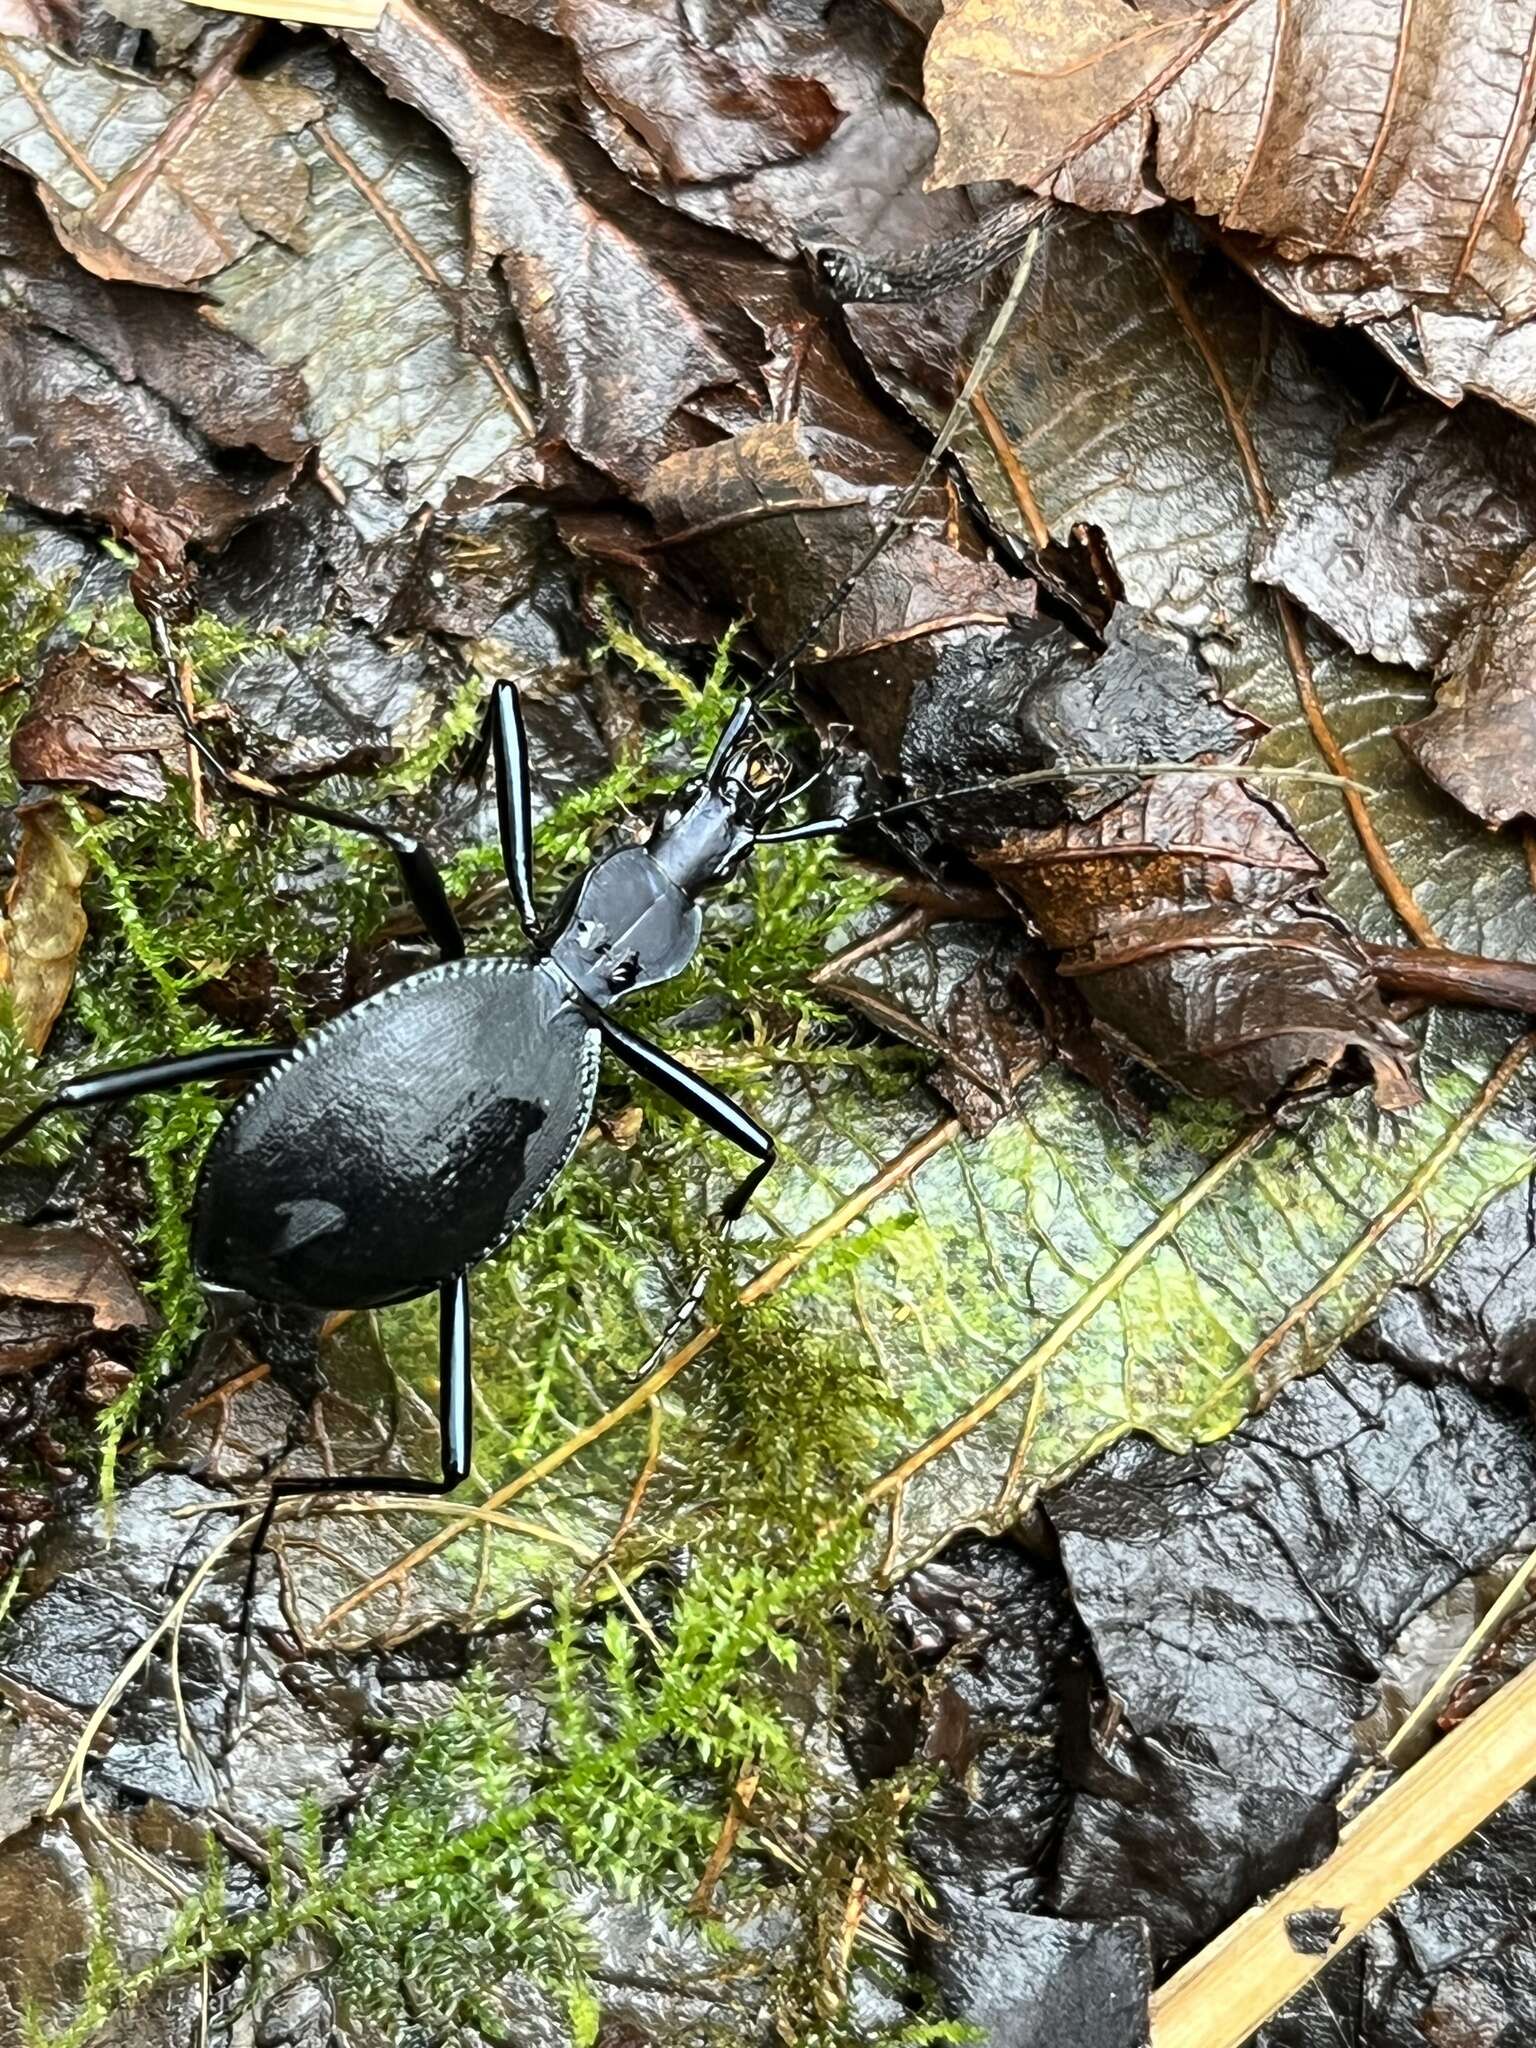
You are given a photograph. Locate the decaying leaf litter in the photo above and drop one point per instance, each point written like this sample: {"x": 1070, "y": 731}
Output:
{"x": 482, "y": 347}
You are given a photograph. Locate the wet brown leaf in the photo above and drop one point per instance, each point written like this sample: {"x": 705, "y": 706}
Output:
{"x": 156, "y": 180}
{"x": 384, "y": 309}
{"x": 58, "y": 1282}
{"x": 44, "y": 925}
{"x": 946, "y": 986}
{"x": 775, "y": 517}
{"x": 1479, "y": 742}
{"x": 75, "y": 438}
{"x": 111, "y": 393}
{"x": 1021, "y": 90}
{"x": 161, "y": 340}
{"x": 661, "y": 103}
{"x": 1185, "y": 911}
{"x": 1185, "y": 915}
{"x": 1376, "y": 171}
{"x": 706, "y": 108}
{"x": 1148, "y": 388}
{"x": 89, "y": 721}
{"x": 1421, "y": 515}
{"x": 629, "y": 313}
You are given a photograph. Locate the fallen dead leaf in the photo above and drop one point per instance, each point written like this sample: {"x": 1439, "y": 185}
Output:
{"x": 58, "y": 1282}
{"x": 1186, "y": 915}
{"x": 155, "y": 180}
{"x": 1422, "y": 514}
{"x": 629, "y": 312}
{"x": 1401, "y": 202}
{"x": 91, "y": 722}
{"x": 45, "y": 926}
{"x": 1479, "y": 742}
{"x": 113, "y": 389}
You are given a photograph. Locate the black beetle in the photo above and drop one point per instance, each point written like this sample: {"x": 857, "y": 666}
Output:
{"x": 397, "y": 1146}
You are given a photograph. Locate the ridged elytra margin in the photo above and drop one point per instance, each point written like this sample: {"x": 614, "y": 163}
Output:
{"x": 332, "y": 1186}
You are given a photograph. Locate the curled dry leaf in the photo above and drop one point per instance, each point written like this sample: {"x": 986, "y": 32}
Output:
{"x": 1479, "y": 742}
{"x": 1420, "y": 517}
{"x": 44, "y": 925}
{"x": 156, "y": 180}
{"x": 1402, "y": 201}
{"x": 89, "y": 721}
{"x": 1183, "y": 914}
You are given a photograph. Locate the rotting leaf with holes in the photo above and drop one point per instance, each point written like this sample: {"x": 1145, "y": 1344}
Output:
{"x": 44, "y": 926}
{"x": 156, "y": 180}
{"x": 1479, "y": 742}
{"x": 384, "y": 310}
{"x": 1403, "y": 206}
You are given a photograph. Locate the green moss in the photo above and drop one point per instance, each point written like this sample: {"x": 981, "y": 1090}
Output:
{"x": 30, "y": 609}
{"x": 212, "y": 645}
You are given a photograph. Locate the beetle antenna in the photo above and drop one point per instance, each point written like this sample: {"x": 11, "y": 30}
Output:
{"x": 1097, "y": 771}
{"x": 986, "y": 355}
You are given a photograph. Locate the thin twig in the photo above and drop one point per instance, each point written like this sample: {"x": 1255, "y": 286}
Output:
{"x": 743, "y": 1792}
{"x": 200, "y": 823}
{"x": 1239, "y": 1981}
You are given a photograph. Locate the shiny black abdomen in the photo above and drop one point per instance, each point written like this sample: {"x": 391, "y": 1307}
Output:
{"x": 401, "y": 1142}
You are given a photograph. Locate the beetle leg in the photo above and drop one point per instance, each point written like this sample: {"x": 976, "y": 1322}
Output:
{"x": 723, "y": 1116}
{"x": 508, "y": 737}
{"x": 456, "y": 1434}
{"x": 121, "y": 1084}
